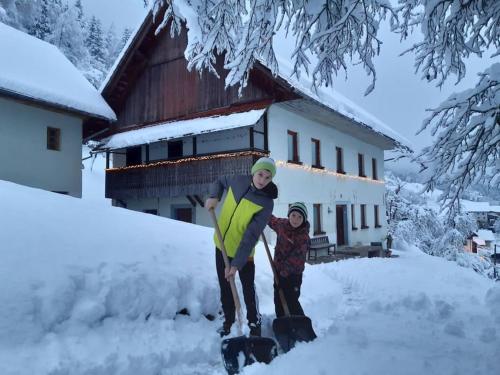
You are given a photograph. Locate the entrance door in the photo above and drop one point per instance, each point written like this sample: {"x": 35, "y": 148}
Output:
{"x": 341, "y": 214}
{"x": 183, "y": 214}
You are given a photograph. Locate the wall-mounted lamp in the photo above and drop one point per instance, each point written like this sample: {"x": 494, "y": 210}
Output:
{"x": 329, "y": 210}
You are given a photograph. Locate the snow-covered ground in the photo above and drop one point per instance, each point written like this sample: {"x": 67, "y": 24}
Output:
{"x": 86, "y": 288}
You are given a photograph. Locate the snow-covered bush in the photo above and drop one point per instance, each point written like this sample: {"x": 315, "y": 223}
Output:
{"x": 414, "y": 221}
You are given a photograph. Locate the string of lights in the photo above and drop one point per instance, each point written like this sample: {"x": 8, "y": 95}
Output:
{"x": 325, "y": 171}
{"x": 190, "y": 159}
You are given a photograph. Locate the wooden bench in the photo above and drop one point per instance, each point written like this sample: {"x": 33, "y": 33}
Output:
{"x": 320, "y": 243}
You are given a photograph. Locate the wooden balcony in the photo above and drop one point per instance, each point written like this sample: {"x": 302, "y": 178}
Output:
{"x": 175, "y": 178}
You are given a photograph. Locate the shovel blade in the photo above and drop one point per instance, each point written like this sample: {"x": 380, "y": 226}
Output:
{"x": 242, "y": 351}
{"x": 290, "y": 329}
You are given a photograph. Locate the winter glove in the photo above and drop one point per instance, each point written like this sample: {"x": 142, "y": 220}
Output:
{"x": 211, "y": 203}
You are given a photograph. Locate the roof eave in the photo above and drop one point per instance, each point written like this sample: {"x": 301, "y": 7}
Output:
{"x": 51, "y": 105}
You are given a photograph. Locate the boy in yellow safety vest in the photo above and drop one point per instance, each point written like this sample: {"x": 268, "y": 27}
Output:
{"x": 245, "y": 212}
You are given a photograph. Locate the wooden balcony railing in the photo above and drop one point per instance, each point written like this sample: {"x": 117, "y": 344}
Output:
{"x": 175, "y": 178}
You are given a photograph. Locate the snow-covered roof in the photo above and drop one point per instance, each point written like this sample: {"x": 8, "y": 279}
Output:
{"x": 470, "y": 206}
{"x": 32, "y": 69}
{"x": 184, "y": 128}
{"x": 335, "y": 100}
{"x": 479, "y": 241}
{"x": 324, "y": 95}
{"x": 486, "y": 234}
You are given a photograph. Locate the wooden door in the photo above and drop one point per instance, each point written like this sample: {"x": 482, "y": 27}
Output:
{"x": 340, "y": 215}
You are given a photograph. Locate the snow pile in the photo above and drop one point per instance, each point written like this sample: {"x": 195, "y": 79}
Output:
{"x": 37, "y": 70}
{"x": 93, "y": 290}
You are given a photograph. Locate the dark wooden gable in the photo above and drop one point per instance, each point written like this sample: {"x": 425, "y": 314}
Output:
{"x": 152, "y": 84}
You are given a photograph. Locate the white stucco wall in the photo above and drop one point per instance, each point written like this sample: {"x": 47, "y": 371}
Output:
{"x": 24, "y": 157}
{"x": 299, "y": 183}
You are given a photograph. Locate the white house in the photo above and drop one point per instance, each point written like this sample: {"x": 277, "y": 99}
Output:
{"x": 44, "y": 100}
{"x": 485, "y": 213}
{"x": 178, "y": 131}
{"x": 488, "y": 237}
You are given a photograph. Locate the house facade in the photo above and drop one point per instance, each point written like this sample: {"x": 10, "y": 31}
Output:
{"x": 178, "y": 131}
{"x": 486, "y": 214}
{"x": 44, "y": 100}
{"x": 50, "y": 144}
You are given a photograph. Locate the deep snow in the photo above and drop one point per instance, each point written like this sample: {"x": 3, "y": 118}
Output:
{"x": 87, "y": 288}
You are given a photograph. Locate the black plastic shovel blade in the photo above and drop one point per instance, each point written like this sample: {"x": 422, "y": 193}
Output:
{"x": 290, "y": 329}
{"x": 242, "y": 351}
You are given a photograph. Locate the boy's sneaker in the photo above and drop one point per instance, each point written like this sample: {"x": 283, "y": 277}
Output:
{"x": 254, "y": 329}
{"x": 225, "y": 329}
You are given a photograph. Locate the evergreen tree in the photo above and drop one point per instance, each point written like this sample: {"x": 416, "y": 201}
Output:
{"x": 42, "y": 27}
{"x": 111, "y": 46}
{"x": 68, "y": 37}
{"x": 95, "y": 42}
{"x": 19, "y": 14}
{"x": 127, "y": 32}
{"x": 80, "y": 14}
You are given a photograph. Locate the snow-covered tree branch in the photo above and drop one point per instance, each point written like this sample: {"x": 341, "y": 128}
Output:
{"x": 452, "y": 31}
{"x": 328, "y": 34}
{"x": 467, "y": 146}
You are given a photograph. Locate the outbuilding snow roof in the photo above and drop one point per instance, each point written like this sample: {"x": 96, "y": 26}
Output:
{"x": 34, "y": 70}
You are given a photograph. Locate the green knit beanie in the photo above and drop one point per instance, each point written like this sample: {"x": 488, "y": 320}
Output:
{"x": 264, "y": 163}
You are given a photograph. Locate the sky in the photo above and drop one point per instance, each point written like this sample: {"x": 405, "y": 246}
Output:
{"x": 400, "y": 98}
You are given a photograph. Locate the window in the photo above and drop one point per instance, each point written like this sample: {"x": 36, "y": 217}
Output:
{"x": 53, "y": 139}
{"x": 340, "y": 160}
{"x": 363, "y": 216}
{"x": 175, "y": 149}
{"x": 375, "y": 212}
{"x": 361, "y": 165}
{"x": 374, "y": 169}
{"x": 315, "y": 153}
{"x": 134, "y": 156}
{"x": 293, "y": 149}
{"x": 353, "y": 217}
{"x": 151, "y": 211}
{"x": 317, "y": 219}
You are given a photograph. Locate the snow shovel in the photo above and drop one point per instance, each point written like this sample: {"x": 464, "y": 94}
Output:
{"x": 242, "y": 351}
{"x": 290, "y": 328}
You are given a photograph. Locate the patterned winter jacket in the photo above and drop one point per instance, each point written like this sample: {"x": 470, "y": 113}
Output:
{"x": 291, "y": 246}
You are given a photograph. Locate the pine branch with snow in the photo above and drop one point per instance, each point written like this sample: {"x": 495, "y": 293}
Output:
{"x": 452, "y": 31}
{"x": 467, "y": 146}
{"x": 331, "y": 31}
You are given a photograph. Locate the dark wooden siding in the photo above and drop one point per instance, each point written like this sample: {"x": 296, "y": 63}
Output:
{"x": 166, "y": 90}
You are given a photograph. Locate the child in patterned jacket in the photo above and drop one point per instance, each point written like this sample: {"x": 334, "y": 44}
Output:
{"x": 290, "y": 256}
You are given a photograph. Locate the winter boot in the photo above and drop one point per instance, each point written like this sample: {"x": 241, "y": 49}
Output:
{"x": 254, "y": 329}
{"x": 225, "y": 329}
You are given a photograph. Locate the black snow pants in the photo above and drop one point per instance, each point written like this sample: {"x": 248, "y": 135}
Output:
{"x": 247, "y": 277}
{"x": 291, "y": 289}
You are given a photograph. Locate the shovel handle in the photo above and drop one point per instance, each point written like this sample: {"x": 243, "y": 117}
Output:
{"x": 234, "y": 291}
{"x": 276, "y": 279}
